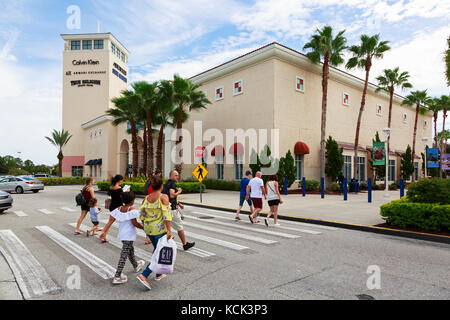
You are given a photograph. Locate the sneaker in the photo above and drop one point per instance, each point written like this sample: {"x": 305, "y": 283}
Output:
{"x": 188, "y": 245}
{"x": 160, "y": 277}
{"x": 141, "y": 264}
{"x": 276, "y": 224}
{"x": 144, "y": 281}
{"x": 120, "y": 280}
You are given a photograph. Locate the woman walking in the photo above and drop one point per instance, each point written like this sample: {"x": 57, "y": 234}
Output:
{"x": 273, "y": 198}
{"x": 115, "y": 192}
{"x": 156, "y": 217}
{"x": 88, "y": 194}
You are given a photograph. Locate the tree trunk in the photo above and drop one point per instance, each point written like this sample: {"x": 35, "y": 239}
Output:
{"x": 134, "y": 144}
{"x": 159, "y": 148}
{"x": 435, "y": 129}
{"x": 414, "y": 138}
{"x": 145, "y": 158}
{"x": 150, "y": 166}
{"x": 358, "y": 124}
{"x": 60, "y": 159}
{"x": 325, "y": 71}
{"x": 178, "y": 146}
{"x": 391, "y": 98}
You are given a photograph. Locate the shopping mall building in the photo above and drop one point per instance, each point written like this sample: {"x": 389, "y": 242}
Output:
{"x": 273, "y": 88}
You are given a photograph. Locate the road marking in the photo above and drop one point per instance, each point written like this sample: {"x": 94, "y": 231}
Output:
{"x": 248, "y": 222}
{"x": 45, "y": 211}
{"x": 272, "y": 233}
{"x": 26, "y": 267}
{"x": 69, "y": 209}
{"x": 194, "y": 251}
{"x": 312, "y": 225}
{"x": 20, "y": 214}
{"x": 222, "y": 243}
{"x": 96, "y": 264}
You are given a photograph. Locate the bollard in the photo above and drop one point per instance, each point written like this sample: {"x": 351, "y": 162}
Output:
{"x": 304, "y": 186}
{"x": 369, "y": 189}
{"x": 345, "y": 189}
{"x": 322, "y": 187}
{"x": 285, "y": 186}
{"x": 402, "y": 188}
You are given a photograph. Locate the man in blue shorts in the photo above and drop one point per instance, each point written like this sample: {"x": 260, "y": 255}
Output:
{"x": 244, "y": 182}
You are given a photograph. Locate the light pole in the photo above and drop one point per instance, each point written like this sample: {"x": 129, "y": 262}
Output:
{"x": 424, "y": 140}
{"x": 386, "y": 189}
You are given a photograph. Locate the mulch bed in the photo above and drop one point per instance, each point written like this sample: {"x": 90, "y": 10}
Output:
{"x": 414, "y": 229}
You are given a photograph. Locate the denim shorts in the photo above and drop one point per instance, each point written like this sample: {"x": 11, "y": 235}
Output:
{"x": 242, "y": 199}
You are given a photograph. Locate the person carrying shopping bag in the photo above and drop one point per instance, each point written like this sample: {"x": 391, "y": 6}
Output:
{"x": 156, "y": 217}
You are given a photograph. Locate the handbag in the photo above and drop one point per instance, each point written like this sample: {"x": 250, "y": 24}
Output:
{"x": 163, "y": 258}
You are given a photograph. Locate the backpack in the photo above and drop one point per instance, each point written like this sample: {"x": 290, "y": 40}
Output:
{"x": 80, "y": 200}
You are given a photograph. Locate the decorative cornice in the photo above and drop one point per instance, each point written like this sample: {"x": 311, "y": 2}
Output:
{"x": 95, "y": 36}
{"x": 96, "y": 121}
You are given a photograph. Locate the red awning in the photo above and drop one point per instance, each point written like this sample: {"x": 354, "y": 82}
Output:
{"x": 219, "y": 150}
{"x": 301, "y": 148}
{"x": 236, "y": 148}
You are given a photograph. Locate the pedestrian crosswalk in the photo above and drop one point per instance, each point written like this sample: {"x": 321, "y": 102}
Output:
{"x": 216, "y": 233}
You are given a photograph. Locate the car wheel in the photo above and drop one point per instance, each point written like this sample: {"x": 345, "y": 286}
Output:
{"x": 19, "y": 189}
{"x": 35, "y": 191}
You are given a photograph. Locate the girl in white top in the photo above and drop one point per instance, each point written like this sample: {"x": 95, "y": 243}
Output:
{"x": 127, "y": 217}
{"x": 273, "y": 198}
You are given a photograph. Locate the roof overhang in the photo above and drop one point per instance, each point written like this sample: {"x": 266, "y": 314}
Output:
{"x": 95, "y": 36}
{"x": 97, "y": 121}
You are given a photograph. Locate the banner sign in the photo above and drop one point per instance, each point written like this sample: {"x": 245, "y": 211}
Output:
{"x": 446, "y": 161}
{"x": 378, "y": 154}
{"x": 432, "y": 158}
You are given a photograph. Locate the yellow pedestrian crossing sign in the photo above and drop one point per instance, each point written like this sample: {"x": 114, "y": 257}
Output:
{"x": 200, "y": 172}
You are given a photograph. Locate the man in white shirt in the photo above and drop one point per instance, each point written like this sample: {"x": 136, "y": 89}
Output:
{"x": 255, "y": 190}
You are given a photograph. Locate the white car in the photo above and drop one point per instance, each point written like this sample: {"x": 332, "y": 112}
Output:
{"x": 6, "y": 201}
{"x": 21, "y": 184}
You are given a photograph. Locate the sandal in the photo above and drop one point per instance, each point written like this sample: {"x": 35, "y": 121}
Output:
{"x": 78, "y": 232}
{"x": 251, "y": 220}
{"x": 237, "y": 218}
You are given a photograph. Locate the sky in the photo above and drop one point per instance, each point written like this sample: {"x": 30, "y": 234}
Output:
{"x": 188, "y": 37}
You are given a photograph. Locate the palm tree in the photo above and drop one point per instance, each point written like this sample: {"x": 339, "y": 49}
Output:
{"x": 391, "y": 79}
{"x": 363, "y": 55}
{"x": 126, "y": 110}
{"x": 148, "y": 94}
{"x": 323, "y": 44}
{"x": 444, "y": 102}
{"x": 435, "y": 107}
{"x": 185, "y": 96}
{"x": 59, "y": 140}
{"x": 447, "y": 62}
{"x": 420, "y": 99}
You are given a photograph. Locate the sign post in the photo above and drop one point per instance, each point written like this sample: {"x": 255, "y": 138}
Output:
{"x": 200, "y": 173}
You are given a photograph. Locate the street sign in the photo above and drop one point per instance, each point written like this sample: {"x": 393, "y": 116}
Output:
{"x": 200, "y": 172}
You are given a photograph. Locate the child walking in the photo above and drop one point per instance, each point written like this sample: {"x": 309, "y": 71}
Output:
{"x": 94, "y": 211}
{"x": 127, "y": 217}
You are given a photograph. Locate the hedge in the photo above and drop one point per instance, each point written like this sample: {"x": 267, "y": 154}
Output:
{"x": 434, "y": 190}
{"x": 63, "y": 181}
{"x": 138, "y": 187}
{"x": 311, "y": 185}
{"x": 428, "y": 216}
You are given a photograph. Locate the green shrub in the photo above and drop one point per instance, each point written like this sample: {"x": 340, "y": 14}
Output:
{"x": 215, "y": 184}
{"x": 335, "y": 187}
{"x": 428, "y": 216}
{"x": 63, "y": 180}
{"x": 434, "y": 190}
{"x": 138, "y": 187}
{"x": 393, "y": 186}
{"x": 311, "y": 185}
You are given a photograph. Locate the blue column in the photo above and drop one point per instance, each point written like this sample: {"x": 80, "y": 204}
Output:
{"x": 304, "y": 186}
{"x": 345, "y": 189}
{"x": 322, "y": 187}
{"x": 369, "y": 189}
{"x": 402, "y": 188}
{"x": 285, "y": 186}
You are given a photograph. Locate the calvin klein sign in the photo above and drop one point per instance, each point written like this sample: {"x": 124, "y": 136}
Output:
{"x": 85, "y": 62}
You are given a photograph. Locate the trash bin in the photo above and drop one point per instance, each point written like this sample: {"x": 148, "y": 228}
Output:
{"x": 354, "y": 186}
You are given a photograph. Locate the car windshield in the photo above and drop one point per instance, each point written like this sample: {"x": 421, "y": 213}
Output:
{"x": 30, "y": 179}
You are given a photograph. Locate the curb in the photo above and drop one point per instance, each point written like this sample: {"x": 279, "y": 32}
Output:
{"x": 342, "y": 225}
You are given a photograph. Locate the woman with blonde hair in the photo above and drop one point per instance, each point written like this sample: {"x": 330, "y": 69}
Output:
{"x": 88, "y": 194}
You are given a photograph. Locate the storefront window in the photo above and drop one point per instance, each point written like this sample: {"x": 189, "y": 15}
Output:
{"x": 219, "y": 167}
{"x": 362, "y": 168}
{"x": 347, "y": 167}
{"x": 238, "y": 166}
{"x": 77, "y": 171}
{"x": 391, "y": 170}
{"x": 298, "y": 164}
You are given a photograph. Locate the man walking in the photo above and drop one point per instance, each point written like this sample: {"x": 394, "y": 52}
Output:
{"x": 171, "y": 189}
{"x": 244, "y": 182}
{"x": 255, "y": 189}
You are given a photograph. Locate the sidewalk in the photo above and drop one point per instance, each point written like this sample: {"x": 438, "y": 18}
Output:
{"x": 356, "y": 210}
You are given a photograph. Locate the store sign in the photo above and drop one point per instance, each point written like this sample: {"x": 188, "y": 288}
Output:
{"x": 115, "y": 65}
{"x": 378, "y": 154}
{"x": 85, "y": 83}
{"x": 432, "y": 158}
{"x": 85, "y": 62}
{"x": 121, "y": 77}
{"x": 446, "y": 161}
{"x": 78, "y": 73}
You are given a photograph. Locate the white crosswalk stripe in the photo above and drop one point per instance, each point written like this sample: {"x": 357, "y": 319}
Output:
{"x": 94, "y": 263}
{"x": 68, "y": 209}
{"x": 273, "y": 233}
{"x": 26, "y": 267}
{"x": 20, "y": 214}
{"x": 222, "y": 243}
{"x": 194, "y": 251}
{"x": 311, "y": 225}
{"x": 248, "y": 222}
{"x": 45, "y": 211}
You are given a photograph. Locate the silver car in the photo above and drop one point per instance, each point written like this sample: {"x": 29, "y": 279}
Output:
{"x": 21, "y": 184}
{"x": 6, "y": 201}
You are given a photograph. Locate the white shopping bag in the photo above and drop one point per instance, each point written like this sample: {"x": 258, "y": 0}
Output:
{"x": 163, "y": 258}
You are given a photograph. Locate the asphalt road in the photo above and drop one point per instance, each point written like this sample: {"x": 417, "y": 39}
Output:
{"x": 232, "y": 260}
